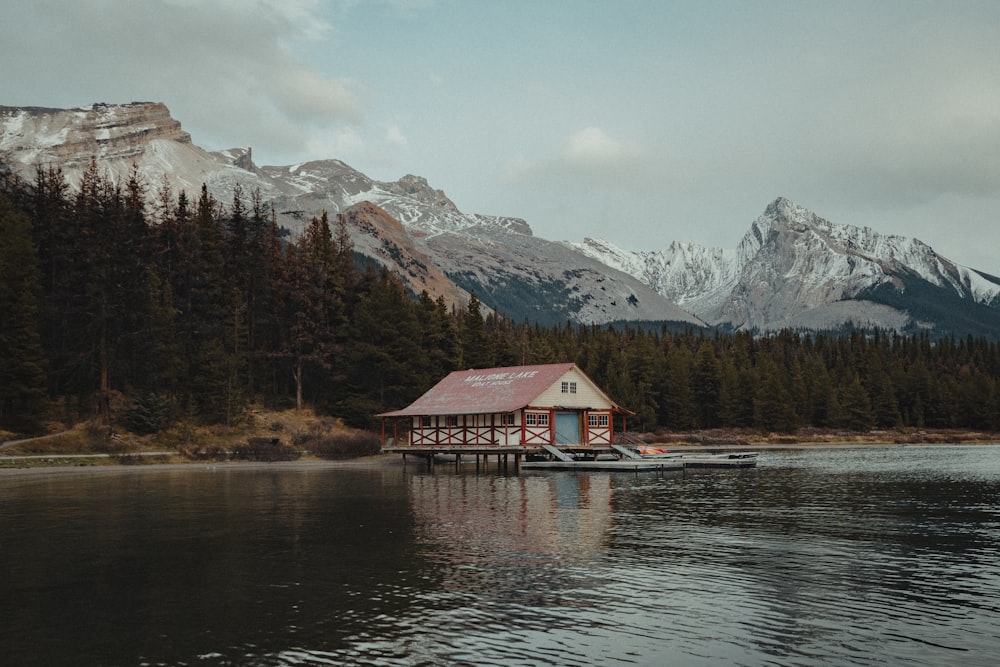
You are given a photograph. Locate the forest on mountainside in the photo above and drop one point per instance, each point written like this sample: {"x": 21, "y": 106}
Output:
{"x": 198, "y": 309}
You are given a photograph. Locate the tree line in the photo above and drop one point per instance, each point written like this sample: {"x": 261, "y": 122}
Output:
{"x": 184, "y": 309}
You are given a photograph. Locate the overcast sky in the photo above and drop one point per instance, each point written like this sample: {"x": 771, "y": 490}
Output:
{"x": 640, "y": 122}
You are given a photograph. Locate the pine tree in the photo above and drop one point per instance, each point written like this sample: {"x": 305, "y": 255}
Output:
{"x": 22, "y": 374}
{"x": 314, "y": 309}
{"x": 439, "y": 337}
{"x": 856, "y": 407}
{"x": 476, "y": 352}
{"x": 62, "y": 249}
{"x": 384, "y": 353}
{"x": 885, "y": 408}
{"x": 131, "y": 356}
{"x": 774, "y": 409}
{"x": 643, "y": 373}
{"x": 706, "y": 384}
{"x": 677, "y": 408}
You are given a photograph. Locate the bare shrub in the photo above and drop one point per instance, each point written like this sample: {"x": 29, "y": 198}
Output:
{"x": 344, "y": 445}
{"x": 266, "y": 449}
{"x": 203, "y": 452}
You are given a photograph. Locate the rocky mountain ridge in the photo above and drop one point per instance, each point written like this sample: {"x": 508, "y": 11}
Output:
{"x": 406, "y": 225}
{"x": 791, "y": 269}
{"x": 794, "y": 269}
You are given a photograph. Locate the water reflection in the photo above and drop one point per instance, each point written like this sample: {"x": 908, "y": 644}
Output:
{"x": 842, "y": 557}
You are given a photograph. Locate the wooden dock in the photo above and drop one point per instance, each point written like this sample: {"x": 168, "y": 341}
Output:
{"x": 482, "y": 453}
{"x": 573, "y": 457}
{"x": 618, "y": 465}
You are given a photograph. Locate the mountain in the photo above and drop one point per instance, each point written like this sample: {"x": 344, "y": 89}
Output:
{"x": 405, "y": 225}
{"x": 794, "y": 269}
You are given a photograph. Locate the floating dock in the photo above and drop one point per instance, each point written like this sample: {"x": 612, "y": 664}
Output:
{"x": 578, "y": 457}
{"x": 617, "y": 465}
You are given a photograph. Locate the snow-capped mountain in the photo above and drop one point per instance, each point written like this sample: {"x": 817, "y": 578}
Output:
{"x": 407, "y": 225}
{"x": 792, "y": 268}
{"x": 795, "y": 269}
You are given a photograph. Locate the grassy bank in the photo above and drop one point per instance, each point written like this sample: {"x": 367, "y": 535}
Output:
{"x": 289, "y": 435}
{"x": 259, "y": 435}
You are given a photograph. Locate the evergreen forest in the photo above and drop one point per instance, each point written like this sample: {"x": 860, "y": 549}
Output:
{"x": 198, "y": 309}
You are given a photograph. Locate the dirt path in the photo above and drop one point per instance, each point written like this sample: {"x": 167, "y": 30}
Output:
{"x": 12, "y": 443}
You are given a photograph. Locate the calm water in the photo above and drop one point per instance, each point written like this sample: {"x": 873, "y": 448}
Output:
{"x": 887, "y": 556}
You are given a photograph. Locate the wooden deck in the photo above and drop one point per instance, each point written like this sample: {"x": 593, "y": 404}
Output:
{"x": 481, "y": 452}
{"x": 574, "y": 457}
{"x": 618, "y": 465}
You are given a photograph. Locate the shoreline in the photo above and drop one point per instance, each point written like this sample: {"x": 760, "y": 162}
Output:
{"x": 395, "y": 460}
{"x": 377, "y": 460}
{"x": 815, "y": 437}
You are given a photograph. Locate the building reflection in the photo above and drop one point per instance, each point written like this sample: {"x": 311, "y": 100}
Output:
{"x": 463, "y": 516}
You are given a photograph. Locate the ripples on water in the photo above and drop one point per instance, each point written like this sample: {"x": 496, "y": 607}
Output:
{"x": 827, "y": 557}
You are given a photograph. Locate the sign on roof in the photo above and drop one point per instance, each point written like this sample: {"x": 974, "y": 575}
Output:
{"x": 488, "y": 390}
{"x": 496, "y": 379}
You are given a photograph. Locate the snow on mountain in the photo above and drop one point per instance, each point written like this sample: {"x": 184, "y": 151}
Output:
{"x": 796, "y": 269}
{"x": 791, "y": 269}
{"x": 546, "y": 281}
{"x": 144, "y": 134}
{"x": 407, "y": 225}
{"x": 693, "y": 276}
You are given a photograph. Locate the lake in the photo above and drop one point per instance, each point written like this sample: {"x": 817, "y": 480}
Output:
{"x": 834, "y": 556}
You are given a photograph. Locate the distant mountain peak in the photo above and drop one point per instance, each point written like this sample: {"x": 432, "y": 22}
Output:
{"x": 792, "y": 268}
{"x": 796, "y": 269}
{"x": 418, "y": 188}
{"x": 783, "y": 208}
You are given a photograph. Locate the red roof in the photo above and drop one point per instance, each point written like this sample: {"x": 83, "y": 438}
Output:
{"x": 485, "y": 390}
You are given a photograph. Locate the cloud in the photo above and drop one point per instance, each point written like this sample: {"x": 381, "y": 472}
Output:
{"x": 587, "y": 157}
{"x": 592, "y": 148}
{"x": 395, "y": 137}
{"x": 903, "y": 119}
{"x": 306, "y": 95}
{"x": 233, "y": 71}
{"x": 344, "y": 142}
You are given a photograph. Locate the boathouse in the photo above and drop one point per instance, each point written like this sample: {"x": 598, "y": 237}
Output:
{"x": 525, "y": 407}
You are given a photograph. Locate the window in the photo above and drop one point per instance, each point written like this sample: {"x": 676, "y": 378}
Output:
{"x": 452, "y": 420}
{"x": 536, "y": 419}
{"x": 507, "y": 419}
{"x": 597, "y": 420}
{"x": 569, "y": 387}
{"x": 425, "y": 422}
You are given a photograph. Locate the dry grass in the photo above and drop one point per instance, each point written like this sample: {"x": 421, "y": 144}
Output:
{"x": 294, "y": 429}
{"x": 81, "y": 439}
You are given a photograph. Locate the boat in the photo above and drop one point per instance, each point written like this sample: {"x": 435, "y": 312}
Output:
{"x": 633, "y": 459}
{"x": 725, "y": 460}
{"x": 701, "y": 459}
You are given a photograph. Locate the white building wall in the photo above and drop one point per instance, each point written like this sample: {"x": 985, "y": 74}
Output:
{"x": 474, "y": 430}
{"x": 586, "y": 396}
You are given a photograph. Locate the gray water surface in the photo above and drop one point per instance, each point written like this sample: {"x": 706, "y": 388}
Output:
{"x": 840, "y": 556}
